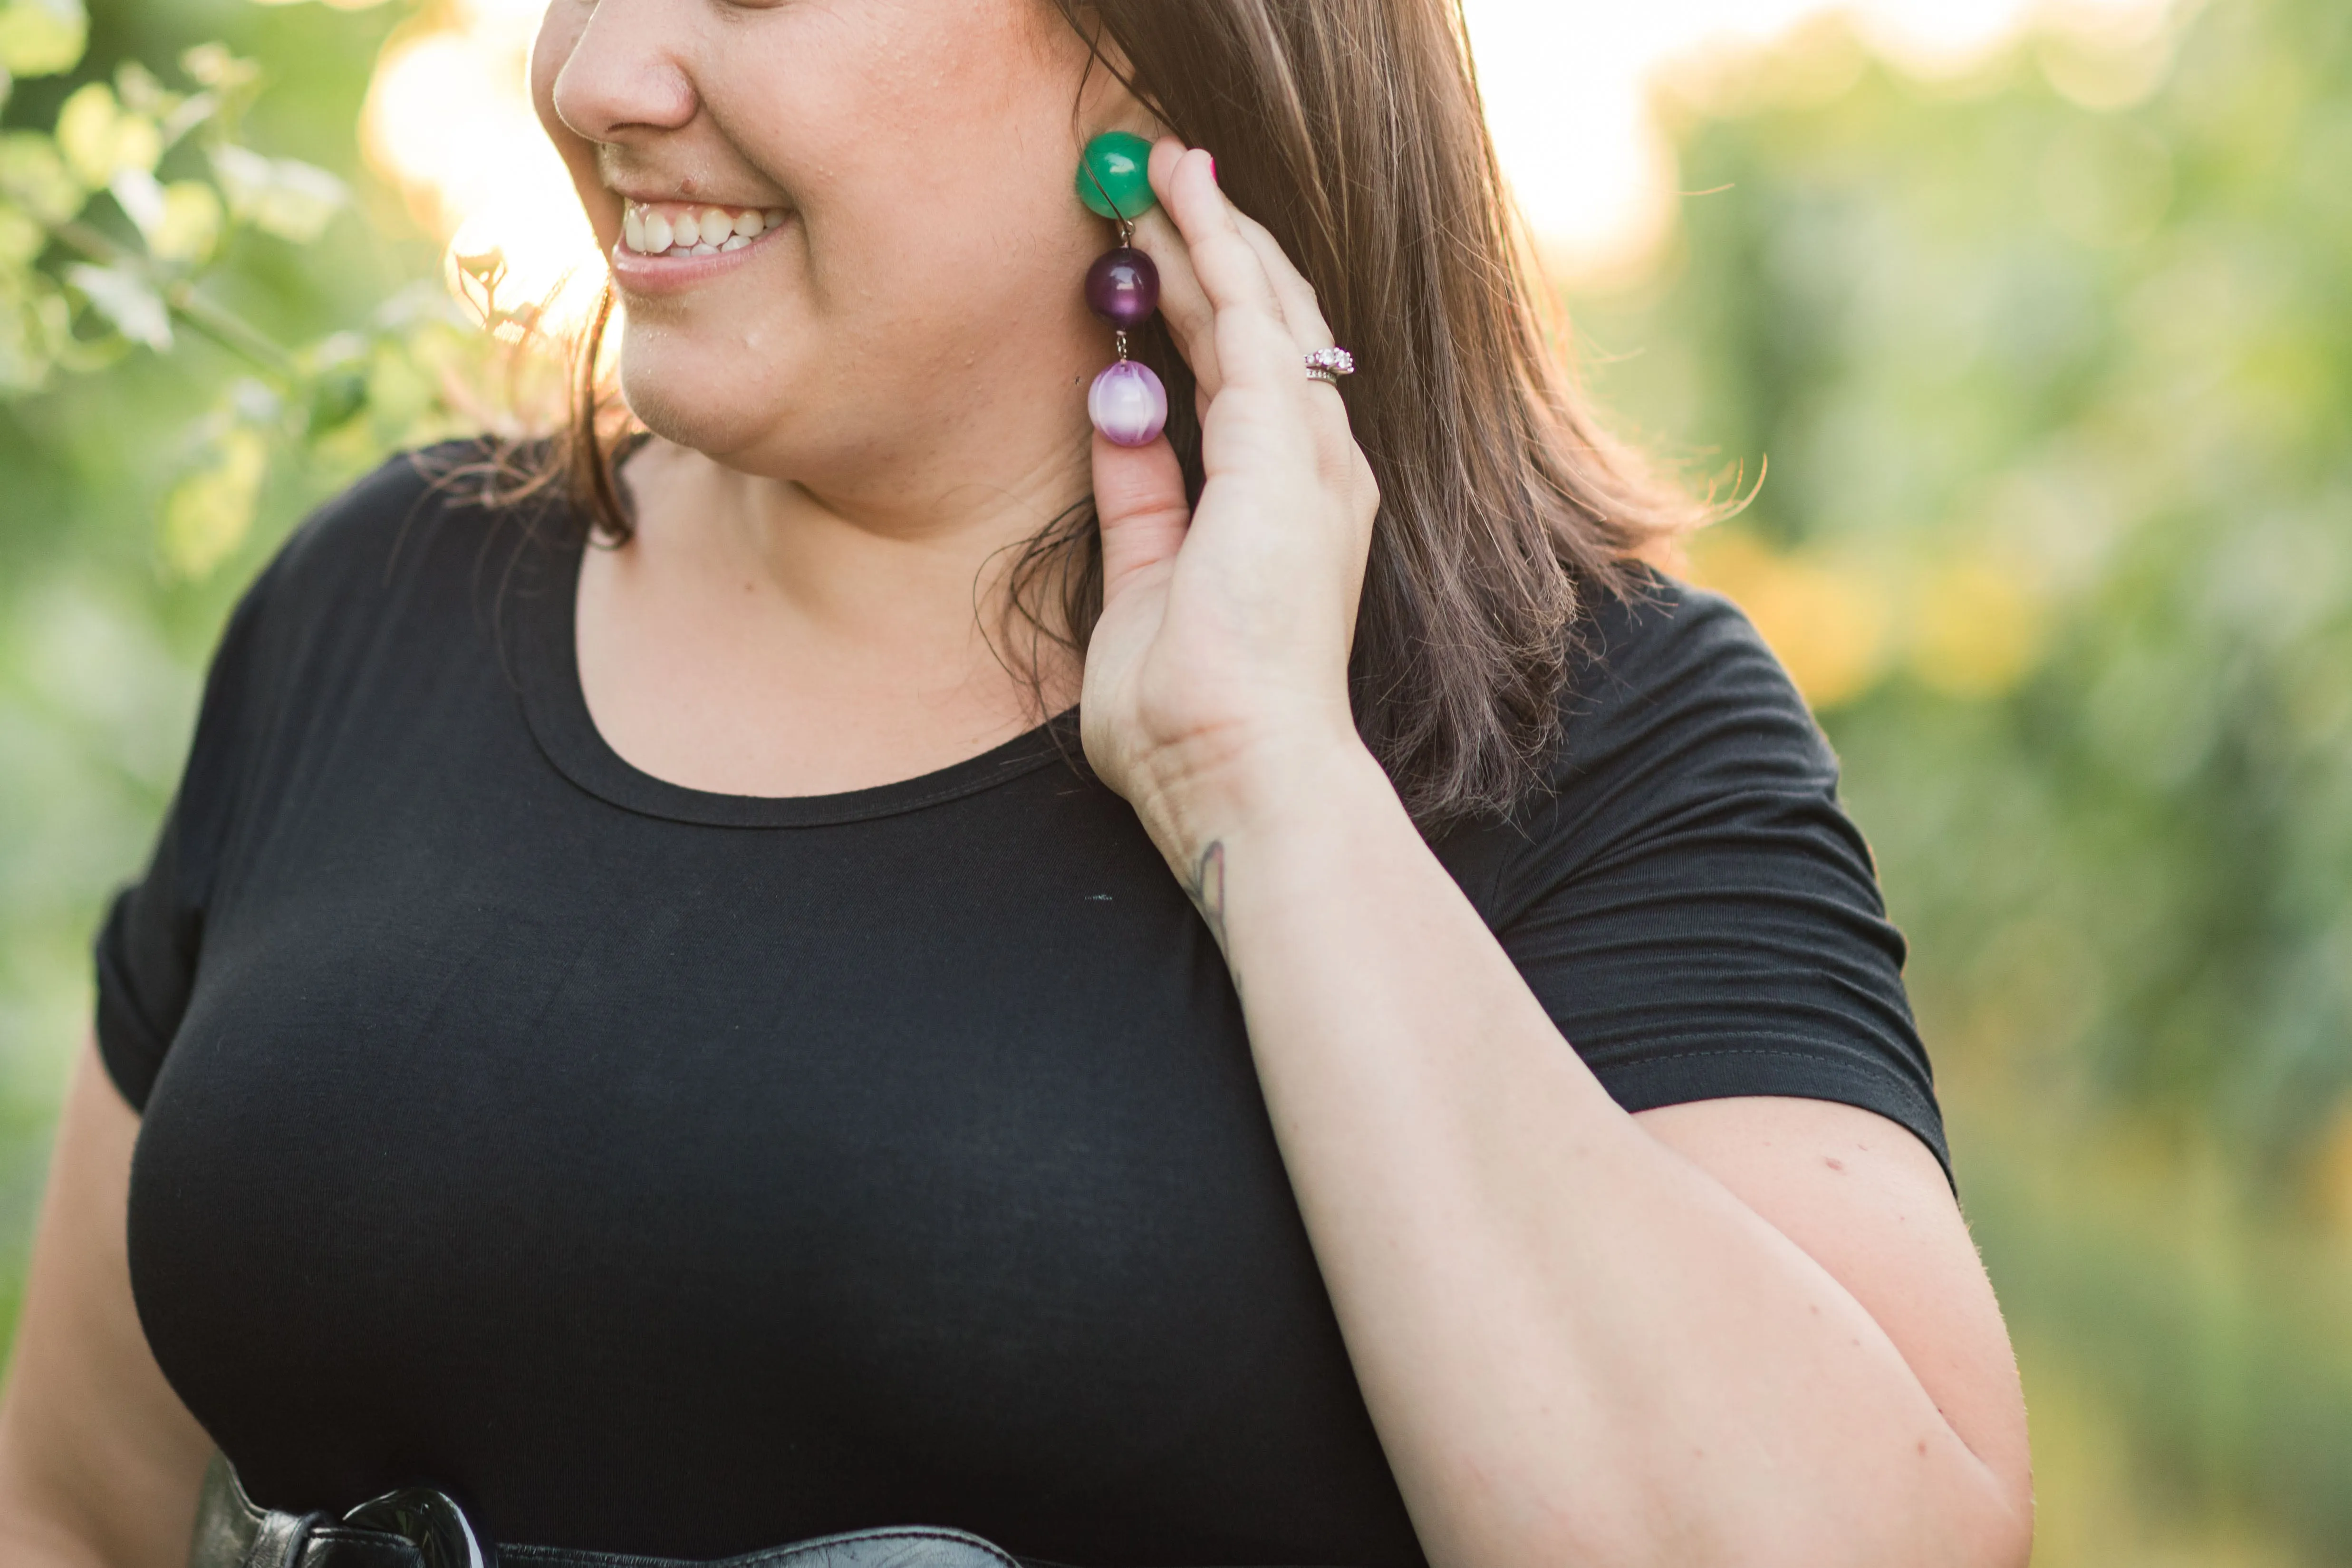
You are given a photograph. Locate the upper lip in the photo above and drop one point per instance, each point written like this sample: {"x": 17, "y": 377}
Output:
{"x": 645, "y": 196}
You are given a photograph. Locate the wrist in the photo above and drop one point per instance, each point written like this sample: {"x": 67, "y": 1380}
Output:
{"x": 1297, "y": 782}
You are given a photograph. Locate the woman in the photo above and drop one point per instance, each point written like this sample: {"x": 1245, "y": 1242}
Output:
{"x": 660, "y": 1043}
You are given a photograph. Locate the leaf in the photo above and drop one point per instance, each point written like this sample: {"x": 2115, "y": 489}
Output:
{"x": 338, "y": 369}
{"x": 127, "y": 299}
{"x": 181, "y": 223}
{"x": 41, "y": 38}
{"x": 208, "y": 514}
{"x": 32, "y": 172}
{"x": 140, "y": 197}
{"x": 140, "y": 93}
{"x": 212, "y": 66}
{"x": 21, "y": 239}
{"x": 186, "y": 114}
{"x": 99, "y": 139}
{"x": 191, "y": 224}
{"x": 283, "y": 197}
{"x": 32, "y": 327}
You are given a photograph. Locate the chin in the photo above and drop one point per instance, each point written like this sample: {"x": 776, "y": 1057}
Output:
{"x": 700, "y": 400}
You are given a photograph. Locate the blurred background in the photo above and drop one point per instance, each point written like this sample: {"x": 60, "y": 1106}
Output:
{"x": 2023, "y": 328}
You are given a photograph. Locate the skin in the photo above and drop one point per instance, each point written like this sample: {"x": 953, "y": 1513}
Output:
{"x": 1748, "y": 1332}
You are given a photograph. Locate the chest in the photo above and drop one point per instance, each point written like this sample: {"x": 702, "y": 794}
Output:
{"x": 801, "y": 1179}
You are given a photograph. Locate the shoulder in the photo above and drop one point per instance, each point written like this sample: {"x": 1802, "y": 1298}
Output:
{"x": 395, "y": 523}
{"x": 403, "y": 568}
{"x": 1672, "y": 676}
{"x": 1675, "y": 714}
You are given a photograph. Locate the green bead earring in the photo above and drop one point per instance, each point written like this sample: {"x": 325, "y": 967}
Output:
{"x": 1115, "y": 177}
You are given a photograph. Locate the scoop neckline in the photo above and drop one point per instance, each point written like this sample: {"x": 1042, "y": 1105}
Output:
{"x": 555, "y": 704}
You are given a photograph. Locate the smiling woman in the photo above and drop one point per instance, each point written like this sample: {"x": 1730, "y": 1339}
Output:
{"x": 1363, "y": 1039}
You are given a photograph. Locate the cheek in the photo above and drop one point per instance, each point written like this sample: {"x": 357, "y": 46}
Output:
{"x": 931, "y": 173}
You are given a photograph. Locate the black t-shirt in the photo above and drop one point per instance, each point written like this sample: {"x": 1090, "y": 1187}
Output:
{"x": 676, "y": 1173}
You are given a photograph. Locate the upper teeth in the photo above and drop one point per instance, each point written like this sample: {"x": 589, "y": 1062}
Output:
{"x": 675, "y": 228}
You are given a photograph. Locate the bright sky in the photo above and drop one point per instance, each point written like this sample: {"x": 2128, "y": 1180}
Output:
{"x": 1566, "y": 84}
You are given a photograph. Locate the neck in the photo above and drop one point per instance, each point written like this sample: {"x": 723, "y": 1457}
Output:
{"x": 905, "y": 572}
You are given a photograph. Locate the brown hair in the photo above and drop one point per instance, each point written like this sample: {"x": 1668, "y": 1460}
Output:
{"x": 1352, "y": 129}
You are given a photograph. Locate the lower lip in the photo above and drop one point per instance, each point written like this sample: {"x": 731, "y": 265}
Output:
{"x": 638, "y": 273}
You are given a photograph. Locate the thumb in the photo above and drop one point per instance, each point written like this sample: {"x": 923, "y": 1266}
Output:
{"x": 1139, "y": 502}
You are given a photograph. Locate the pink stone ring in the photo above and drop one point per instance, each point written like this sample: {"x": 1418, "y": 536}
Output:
{"x": 1328, "y": 365}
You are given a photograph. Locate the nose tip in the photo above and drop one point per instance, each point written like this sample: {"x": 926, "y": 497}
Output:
{"x": 621, "y": 78}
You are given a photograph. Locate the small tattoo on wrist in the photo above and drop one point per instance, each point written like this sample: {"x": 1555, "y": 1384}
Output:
{"x": 1207, "y": 887}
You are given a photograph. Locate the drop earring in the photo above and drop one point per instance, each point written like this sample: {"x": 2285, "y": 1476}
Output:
{"x": 1127, "y": 403}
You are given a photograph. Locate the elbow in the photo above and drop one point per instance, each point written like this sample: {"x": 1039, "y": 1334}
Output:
{"x": 1992, "y": 1526}
{"x": 1987, "y": 1525}
{"x": 1960, "y": 1513}
{"x": 2003, "y": 1534}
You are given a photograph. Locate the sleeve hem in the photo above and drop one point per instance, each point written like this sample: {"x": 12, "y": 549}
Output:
{"x": 128, "y": 1045}
{"x": 130, "y": 1062}
{"x": 1731, "y": 1072}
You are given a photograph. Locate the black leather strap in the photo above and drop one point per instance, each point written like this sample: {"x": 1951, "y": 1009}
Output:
{"x": 233, "y": 1531}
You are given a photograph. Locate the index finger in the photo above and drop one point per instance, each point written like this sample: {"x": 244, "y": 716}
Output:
{"x": 1255, "y": 343}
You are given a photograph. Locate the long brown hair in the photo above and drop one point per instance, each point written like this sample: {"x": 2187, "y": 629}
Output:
{"x": 1352, "y": 129}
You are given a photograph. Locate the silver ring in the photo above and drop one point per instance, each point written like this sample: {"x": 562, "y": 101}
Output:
{"x": 1328, "y": 365}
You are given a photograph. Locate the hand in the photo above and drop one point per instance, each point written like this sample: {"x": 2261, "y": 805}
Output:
{"x": 1217, "y": 677}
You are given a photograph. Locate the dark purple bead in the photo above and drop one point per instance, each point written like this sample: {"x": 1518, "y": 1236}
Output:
{"x": 1123, "y": 287}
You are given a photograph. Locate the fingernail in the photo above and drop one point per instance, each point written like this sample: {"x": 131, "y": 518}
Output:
{"x": 1212, "y": 166}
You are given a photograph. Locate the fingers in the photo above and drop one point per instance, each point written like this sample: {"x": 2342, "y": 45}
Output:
{"x": 1241, "y": 312}
{"x": 1301, "y": 311}
{"x": 1254, "y": 341}
{"x": 1183, "y": 304}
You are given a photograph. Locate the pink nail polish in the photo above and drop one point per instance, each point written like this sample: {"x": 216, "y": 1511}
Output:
{"x": 1212, "y": 166}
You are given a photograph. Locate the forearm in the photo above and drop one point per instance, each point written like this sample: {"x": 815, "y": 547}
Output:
{"x": 31, "y": 1540}
{"x": 1577, "y": 1346}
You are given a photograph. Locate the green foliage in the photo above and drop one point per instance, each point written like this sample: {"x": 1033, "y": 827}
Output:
{"x": 2056, "y": 404}
{"x": 103, "y": 253}
{"x": 40, "y": 38}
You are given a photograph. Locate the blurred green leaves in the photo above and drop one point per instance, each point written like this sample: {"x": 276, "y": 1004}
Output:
{"x": 125, "y": 297}
{"x": 282, "y": 196}
{"x": 114, "y": 222}
{"x": 99, "y": 139}
{"x": 207, "y": 513}
{"x": 34, "y": 178}
{"x": 2054, "y": 372}
{"x": 40, "y": 38}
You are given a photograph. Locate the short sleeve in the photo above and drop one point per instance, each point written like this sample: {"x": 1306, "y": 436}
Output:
{"x": 153, "y": 935}
{"x": 1691, "y": 904}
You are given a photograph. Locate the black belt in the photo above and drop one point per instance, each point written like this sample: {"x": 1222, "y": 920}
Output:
{"x": 419, "y": 1528}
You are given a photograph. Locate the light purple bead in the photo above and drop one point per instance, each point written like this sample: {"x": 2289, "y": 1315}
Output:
{"x": 1127, "y": 405}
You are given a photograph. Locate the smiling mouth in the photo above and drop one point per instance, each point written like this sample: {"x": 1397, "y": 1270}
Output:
{"x": 693, "y": 228}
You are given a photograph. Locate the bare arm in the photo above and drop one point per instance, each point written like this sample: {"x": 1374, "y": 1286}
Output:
{"x": 100, "y": 1461}
{"x": 1743, "y": 1332}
